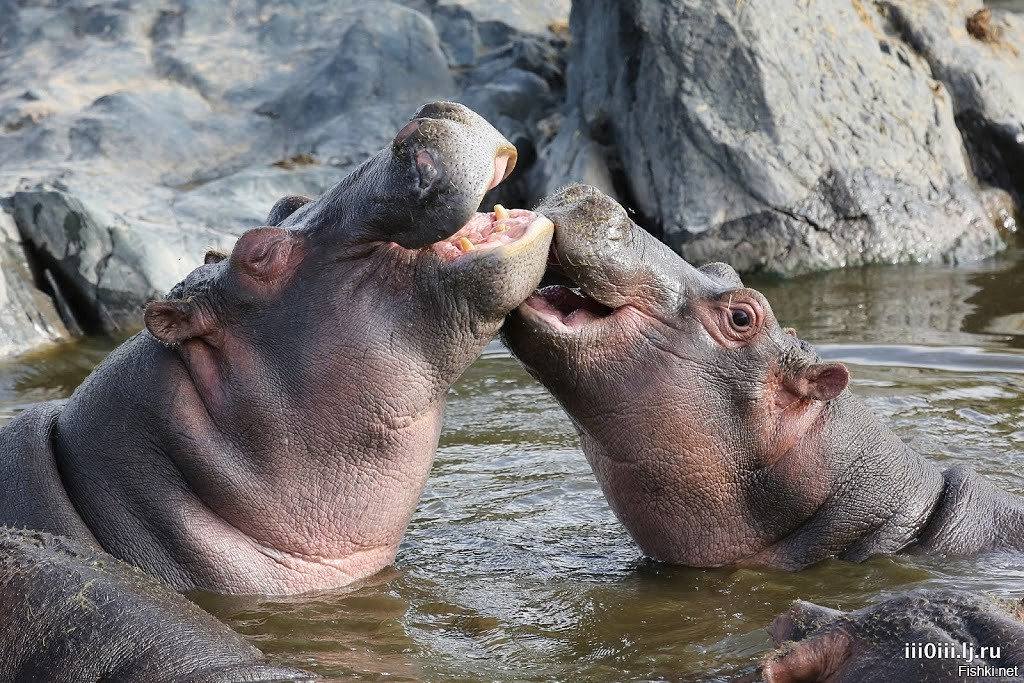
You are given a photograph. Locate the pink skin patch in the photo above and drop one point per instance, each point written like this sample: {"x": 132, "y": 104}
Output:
{"x": 486, "y": 231}
{"x": 501, "y": 170}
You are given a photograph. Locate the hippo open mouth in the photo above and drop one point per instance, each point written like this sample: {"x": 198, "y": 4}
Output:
{"x": 563, "y": 308}
{"x": 567, "y": 306}
{"x": 491, "y": 230}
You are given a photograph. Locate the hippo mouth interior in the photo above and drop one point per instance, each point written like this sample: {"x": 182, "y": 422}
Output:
{"x": 569, "y": 305}
{"x": 487, "y": 231}
{"x": 563, "y": 307}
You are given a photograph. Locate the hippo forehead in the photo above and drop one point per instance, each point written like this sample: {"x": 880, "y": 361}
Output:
{"x": 197, "y": 283}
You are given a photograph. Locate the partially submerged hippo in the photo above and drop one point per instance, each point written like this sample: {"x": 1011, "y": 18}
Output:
{"x": 718, "y": 437}
{"x": 923, "y": 635}
{"x": 73, "y": 613}
{"x": 272, "y": 430}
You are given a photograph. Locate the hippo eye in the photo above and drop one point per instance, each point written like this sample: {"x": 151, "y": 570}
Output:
{"x": 740, "y": 318}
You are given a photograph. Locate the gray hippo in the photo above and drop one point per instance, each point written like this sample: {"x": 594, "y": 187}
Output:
{"x": 73, "y": 613}
{"x": 924, "y": 635}
{"x": 272, "y": 428}
{"x": 718, "y": 437}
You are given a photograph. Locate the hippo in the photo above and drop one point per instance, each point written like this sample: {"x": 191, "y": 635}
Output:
{"x": 272, "y": 428}
{"x": 718, "y": 437}
{"x": 922, "y": 635}
{"x": 74, "y": 613}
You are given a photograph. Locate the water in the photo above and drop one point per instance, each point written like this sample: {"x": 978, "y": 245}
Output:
{"x": 514, "y": 569}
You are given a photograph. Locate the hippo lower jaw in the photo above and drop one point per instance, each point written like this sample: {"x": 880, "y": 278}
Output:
{"x": 504, "y": 230}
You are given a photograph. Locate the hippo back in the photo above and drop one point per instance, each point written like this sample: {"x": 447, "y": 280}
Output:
{"x": 71, "y": 613}
{"x": 32, "y": 494}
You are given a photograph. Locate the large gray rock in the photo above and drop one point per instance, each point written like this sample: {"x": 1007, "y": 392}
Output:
{"x": 980, "y": 60}
{"x": 785, "y": 137}
{"x": 137, "y": 134}
{"x": 27, "y": 317}
{"x": 108, "y": 246}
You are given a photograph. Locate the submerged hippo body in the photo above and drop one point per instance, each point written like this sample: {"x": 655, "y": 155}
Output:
{"x": 924, "y": 635}
{"x": 272, "y": 429}
{"x": 717, "y": 436}
{"x": 73, "y": 613}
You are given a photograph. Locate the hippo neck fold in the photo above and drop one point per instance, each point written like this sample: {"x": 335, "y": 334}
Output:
{"x": 880, "y": 492}
{"x": 218, "y": 502}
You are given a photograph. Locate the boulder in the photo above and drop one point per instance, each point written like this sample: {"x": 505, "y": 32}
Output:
{"x": 774, "y": 137}
{"x": 27, "y": 316}
{"x": 138, "y": 134}
{"x": 101, "y": 263}
{"x": 976, "y": 52}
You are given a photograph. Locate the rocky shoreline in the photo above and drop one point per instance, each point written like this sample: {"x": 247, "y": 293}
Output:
{"x": 137, "y": 134}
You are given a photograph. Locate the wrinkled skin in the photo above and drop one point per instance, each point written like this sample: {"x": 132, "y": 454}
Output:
{"x": 871, "y": 645}
{"x": 72, "y": 613}
{"x": 718, "y": 437}
{"x": 272, "y": 429}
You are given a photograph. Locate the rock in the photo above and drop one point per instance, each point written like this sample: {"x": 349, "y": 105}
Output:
{"x": 27, "y": 317}
{"x": 386, "y": 51}
{"x": 137, "y": 134}
{"x": 103, "y": 263}
{"x": 535, "y": 17}
{"x": 777, "y": 138}
{"x": 976, "y": 52}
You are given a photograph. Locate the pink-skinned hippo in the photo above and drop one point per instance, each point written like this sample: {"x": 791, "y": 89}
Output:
{"x": 74, "y": 614}
{"x": 938, "y": 636}
{"x": 272, "y": 428}
{"x": 718, "y": 437}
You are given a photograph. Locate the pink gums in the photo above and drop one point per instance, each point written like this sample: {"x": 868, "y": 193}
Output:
{"x": 484, "y": 231}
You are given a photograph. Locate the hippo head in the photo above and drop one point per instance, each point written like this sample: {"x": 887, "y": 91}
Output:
{"x": 400, "y": 231}
{"x": 692, "y": 403}
{"x": 314, "y": 359}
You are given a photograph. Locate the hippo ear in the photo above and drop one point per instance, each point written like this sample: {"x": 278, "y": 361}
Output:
{"x": 285, "y": 207}
{"x": 214, "y": 256}
{"x": 178, "y": 320}
{"x": 723, "y": 272}
{"x": 817, "y": 659}
{"x": 268, "y": 257}
{"x": 818, "y": 382}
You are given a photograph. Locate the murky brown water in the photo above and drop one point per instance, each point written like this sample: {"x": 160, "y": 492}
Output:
{"x": 515, "y": 570}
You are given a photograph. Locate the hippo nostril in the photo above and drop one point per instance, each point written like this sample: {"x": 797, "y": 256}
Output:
{"x": 408, "y": 130}
{"x": 427, "y": 169}
{"x": 503, "y": 165}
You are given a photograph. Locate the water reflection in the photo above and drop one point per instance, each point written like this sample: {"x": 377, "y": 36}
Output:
{"x": 514, "y": 569}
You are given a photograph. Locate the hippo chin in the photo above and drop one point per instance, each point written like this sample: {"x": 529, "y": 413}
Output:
{"x": 718, "y": 437}
{"x": 272, "y": 429}
{"x": 922, "y": 635}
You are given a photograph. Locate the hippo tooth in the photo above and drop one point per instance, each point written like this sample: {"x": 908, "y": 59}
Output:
{"x": 465, "y": 245}
{"x": 500, "y": 212}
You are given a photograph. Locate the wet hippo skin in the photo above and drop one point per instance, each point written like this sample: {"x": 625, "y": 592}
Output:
{"x": 73, "y": 613}
{"x": 272, "y": 429}
{"x": 924, "y": 635}
{"x": 718, "y": 437}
